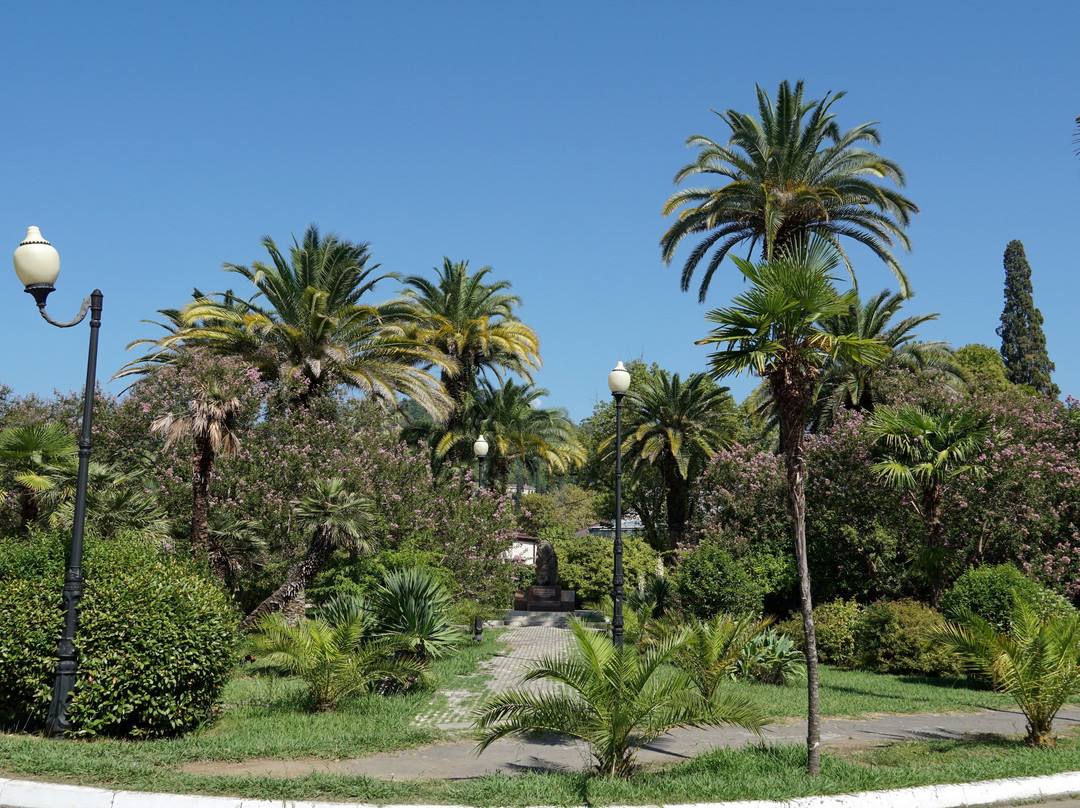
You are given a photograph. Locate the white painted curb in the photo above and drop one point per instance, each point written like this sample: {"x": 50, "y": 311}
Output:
{"x": 28, "y": 794}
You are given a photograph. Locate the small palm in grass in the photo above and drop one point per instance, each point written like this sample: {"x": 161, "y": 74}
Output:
{"x": 1037, "y": 661}
{"x": 335, "y": 660}
{"x": 615, "y": 699}
{"x": 712, "y": 649}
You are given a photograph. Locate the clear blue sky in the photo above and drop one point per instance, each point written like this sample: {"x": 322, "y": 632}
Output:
{"x": 153, "y": 142}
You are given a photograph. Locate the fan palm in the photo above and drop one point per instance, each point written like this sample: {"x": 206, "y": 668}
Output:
{"x": 615, "y": 699}
{"x": 1037, "y": 661}
{"x": 116, "y": 502}
{"x": 210, "y": 422}
{"x": 37, "y": 456}
{"x": 773, "y": 329}
{"x": 922, "y": 453}
{"x": 473, "y": 325}
{"x": 335, "y": 660}
{"x": 675, "y": 427}
{"x": 791, "y": 172}
{"x": 312, "y": 328}
{"x": 337, "y": 518}
{"x": 845, "y": 385}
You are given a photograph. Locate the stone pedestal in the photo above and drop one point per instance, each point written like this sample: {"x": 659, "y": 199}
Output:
{"x": 544, "y": 599}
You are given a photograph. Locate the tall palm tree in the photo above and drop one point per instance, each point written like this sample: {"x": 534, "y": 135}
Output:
{"x": 306, "y": 324}
{"x": 337, "y": 518}
{"x": 473, "y": 325}
{"x": 791, "y": 172}
{"x": 857, "y": 387}
{"x": 922, "y": 453}
{"x": 773, "y": 329}
{"x": 210, "y": 423}
{"x": 518, "y": 428}
{"x": 675, "y": 427}
{"x": 614, "y": 698}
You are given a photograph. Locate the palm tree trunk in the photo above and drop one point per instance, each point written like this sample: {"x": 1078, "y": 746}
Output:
{"x": 792, "y": 410}
{"x": 28, "y": 511}
{"x": 203, "y": 465}
{"x": 676, "y": 509}
{"x": 936, "y": 538}
{"x": 297, "y": 580}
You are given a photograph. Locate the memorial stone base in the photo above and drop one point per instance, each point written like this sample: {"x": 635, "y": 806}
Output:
{"x": 544, "y": 599}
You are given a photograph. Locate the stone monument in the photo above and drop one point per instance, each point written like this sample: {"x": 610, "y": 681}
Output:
{"x": 546, "y": 595}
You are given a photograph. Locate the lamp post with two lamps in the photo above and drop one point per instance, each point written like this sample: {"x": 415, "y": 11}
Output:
{"x": 37, "y": 264}
{"x": 618, "y": 383}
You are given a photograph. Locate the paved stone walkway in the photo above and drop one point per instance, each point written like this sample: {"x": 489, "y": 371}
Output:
{"x": 453, "y": 709}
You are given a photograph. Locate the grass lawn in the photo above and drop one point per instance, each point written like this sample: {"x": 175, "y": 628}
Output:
{"x": 267, "y": 718}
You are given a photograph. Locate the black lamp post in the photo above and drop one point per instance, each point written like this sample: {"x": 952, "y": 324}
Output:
{"x": 618, "y": 382}
{"x": 38, "y": 264}
{"x": 480, "y": 450}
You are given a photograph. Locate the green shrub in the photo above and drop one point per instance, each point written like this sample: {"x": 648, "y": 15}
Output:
{"x": 836, "y": 625}
{"x": 587, "y": 564}
{"x": 898, "y": 637}
{"x": 992, "y": 593}
{"x": 156, "y": 637}
{"x": 709, "y": 581}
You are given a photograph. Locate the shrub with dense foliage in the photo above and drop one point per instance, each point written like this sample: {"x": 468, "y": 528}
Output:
{"x": 710, "y": 582}
{"x": 899, "y": 637}
{"x": 586, "y": 565}
{"x": 994, "y": 593}
{"x": 836, "y": 625}
{"x": 156, "y": 637}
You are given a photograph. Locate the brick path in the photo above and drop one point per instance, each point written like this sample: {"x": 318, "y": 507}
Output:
{"x": 452, "y": 709}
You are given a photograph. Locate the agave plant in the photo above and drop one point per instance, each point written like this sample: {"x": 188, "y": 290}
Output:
{"x": 1037, "y": 661}
{"x": 412, "y": 605}
{"x": 771, "y": 657}
{"x": 335, "y": 660}
{"x": 616, "y": 699}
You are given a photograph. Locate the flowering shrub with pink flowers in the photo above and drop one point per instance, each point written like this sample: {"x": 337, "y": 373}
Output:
{"x": 1025, "y": 509}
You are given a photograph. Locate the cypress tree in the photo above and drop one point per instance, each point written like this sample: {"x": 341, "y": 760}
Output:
{"x": 1023, "y": 344}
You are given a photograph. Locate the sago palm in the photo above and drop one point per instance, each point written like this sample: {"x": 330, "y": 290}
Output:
{"x": 615, "y": 699}
{"x": 791, "y": 172}
{"x": 1037, "y": 662}
{"x": 774, "y": 330}
{"x": 712, "y": 649}
{"x": 335, "y": 660}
